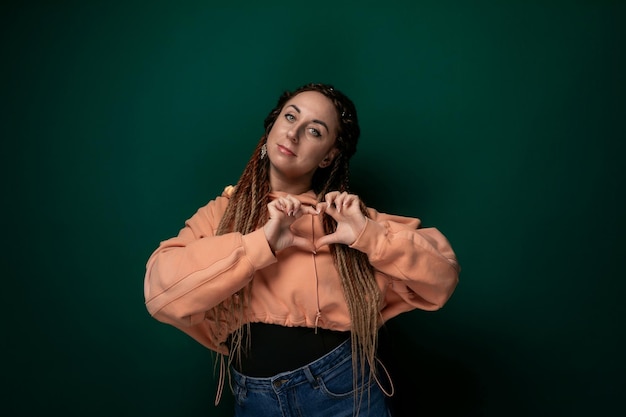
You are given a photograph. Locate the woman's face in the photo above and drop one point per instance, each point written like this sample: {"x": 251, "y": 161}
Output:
{"x": 302, "y": 139}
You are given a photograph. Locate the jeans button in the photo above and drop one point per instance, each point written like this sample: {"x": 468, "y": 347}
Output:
{"x": 279, "y": 382}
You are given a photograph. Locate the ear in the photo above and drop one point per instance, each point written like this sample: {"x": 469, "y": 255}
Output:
{"x": 328, "y": 159}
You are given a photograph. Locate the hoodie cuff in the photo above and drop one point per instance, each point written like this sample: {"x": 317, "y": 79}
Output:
{"x": 369, "y": 240}
{"x": 258, "y": 250}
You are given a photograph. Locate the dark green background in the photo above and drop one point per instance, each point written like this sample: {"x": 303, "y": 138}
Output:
{"x": 501, "y": 123}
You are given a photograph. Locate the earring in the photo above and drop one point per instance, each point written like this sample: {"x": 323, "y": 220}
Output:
{"x": 263, "y": 151}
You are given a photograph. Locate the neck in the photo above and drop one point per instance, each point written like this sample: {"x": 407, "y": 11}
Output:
{"x": 290, "y": 187}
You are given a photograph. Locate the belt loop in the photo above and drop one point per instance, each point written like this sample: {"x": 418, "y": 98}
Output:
{"x": 310, "y": 377}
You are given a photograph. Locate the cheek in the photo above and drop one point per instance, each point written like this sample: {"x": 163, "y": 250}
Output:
{"x": 272, "y": 134}
{"x": 320, "y": 154}
{"x": 276, "y": 129}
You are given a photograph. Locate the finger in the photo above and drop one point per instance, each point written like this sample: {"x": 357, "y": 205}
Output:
{"x": 275, "y": 209}
{"x": 331, "y": 210}
{"x": 295, "y": 205}
{"x": 304, "y": 209}
{"x": 330, "y": 197}
{"x": 349, "y": 201}
{"x": 279, "y": 204}
{"x": 321, "y": 207}
{"x": 286, "y": 205}
{"x": 304, "y": 244}
{"x": 325, "y": 240}
{"x": 331, "y": 194}
{"x": 340, "y": 201}
{"x": 344, "y": 200}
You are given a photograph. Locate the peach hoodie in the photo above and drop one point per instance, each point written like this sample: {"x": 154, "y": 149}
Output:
{"x": 189, "y": 274}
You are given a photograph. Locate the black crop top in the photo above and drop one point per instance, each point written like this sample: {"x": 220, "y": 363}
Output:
{"x": 275, "y": 349}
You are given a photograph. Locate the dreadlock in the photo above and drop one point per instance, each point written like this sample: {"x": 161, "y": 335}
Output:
{"x": 247, "y": 211}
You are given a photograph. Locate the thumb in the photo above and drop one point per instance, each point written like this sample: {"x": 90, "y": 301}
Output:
{"x": 304, "y": 244}
{"x": 325, "y": 240}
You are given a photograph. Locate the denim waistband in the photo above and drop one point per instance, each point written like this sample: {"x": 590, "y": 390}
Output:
{"x": 307, "y": 373}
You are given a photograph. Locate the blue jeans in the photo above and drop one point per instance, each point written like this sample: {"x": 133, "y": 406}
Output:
{"x": 319, "y": 389}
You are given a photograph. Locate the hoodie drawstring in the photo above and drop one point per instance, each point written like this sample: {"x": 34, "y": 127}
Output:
{"x": 318, "y": 314}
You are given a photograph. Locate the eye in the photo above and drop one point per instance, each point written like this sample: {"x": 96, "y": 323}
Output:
{"x": 313, "y": 131}
{"x": 290, "y": 117}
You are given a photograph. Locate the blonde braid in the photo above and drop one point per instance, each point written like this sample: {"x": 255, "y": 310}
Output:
{"x": 246, "y": 211}
{"x": 363, "y": 299}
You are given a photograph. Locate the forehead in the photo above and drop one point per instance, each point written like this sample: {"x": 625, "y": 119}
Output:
{"x": 316, "y": 104}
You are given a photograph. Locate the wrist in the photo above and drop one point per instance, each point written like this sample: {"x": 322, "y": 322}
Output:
{"x": 268, "y": 234}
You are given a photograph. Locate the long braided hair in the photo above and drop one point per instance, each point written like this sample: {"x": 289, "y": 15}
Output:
{"x": 247, "y": 211}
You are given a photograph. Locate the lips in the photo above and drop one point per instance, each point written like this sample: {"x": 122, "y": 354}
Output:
{"x": 285, "y": 151}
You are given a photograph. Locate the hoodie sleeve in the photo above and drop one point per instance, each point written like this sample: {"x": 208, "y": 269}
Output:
{"x": 420, "y": 262}
{"x": 193, "y": 272}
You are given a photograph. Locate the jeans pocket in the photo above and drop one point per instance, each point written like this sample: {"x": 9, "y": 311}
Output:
{"x": 338, "y": 383}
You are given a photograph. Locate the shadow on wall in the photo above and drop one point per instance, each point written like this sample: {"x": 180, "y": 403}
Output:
{"x": 428, "y": 383}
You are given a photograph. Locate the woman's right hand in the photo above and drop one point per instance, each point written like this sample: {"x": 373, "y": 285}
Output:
{"x": 283, "y": 212}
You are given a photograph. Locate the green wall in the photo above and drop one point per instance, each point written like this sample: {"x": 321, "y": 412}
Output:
{"x": 501, "y": 123}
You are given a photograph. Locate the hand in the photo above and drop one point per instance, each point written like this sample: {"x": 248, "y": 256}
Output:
{"x": 346, "y": 210}
{"x": 283, "y": 212}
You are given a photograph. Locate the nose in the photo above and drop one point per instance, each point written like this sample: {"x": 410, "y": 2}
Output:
{"x": 292, "y": 134}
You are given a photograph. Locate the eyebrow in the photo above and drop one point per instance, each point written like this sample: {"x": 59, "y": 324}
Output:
{"x": 314, "y": 120}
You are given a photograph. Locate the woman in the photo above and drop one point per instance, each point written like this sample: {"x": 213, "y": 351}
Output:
{"x": 290, "y": 276}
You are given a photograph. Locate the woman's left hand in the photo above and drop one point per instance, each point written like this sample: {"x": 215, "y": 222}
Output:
{"x": 346, "y": 210}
